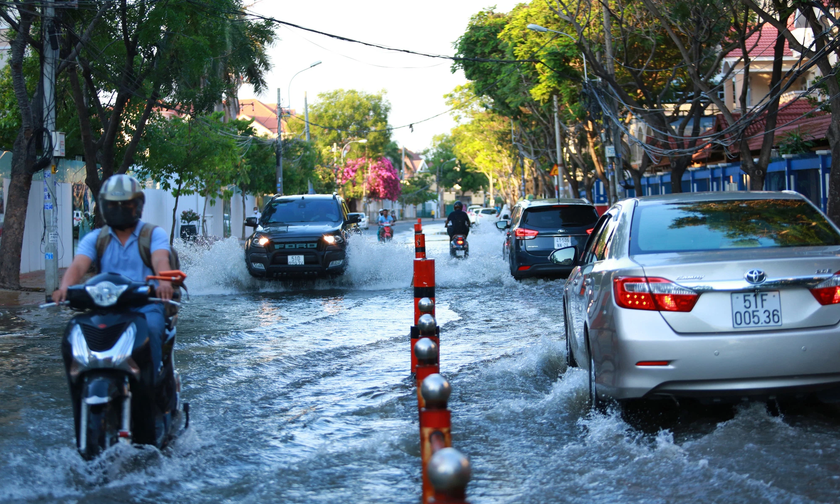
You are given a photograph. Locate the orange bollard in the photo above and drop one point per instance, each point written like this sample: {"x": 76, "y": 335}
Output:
{"x": 426, "y": 328}
{"x": 426, "y": 352}
{"x": 424, "y": 285}
{"x": 449, "y": 472}
{"x": 419, "y": 241}
{"x": 435, "y": 421}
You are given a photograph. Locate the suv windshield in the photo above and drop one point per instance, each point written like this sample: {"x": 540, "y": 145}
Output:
{"x": 301, "y": 210}
{"x": 718, "y": 225}
{"x": 560, "y": 216}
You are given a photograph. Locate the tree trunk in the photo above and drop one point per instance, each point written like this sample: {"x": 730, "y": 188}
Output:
{"x": 175, "y": 213}
{"x": 678, "y": 167}
{"x": 17, "y": 201}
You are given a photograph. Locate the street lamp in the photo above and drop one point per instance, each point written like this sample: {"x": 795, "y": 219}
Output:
{"x": 280, "y": 129}
{"x": 289, "y": 87}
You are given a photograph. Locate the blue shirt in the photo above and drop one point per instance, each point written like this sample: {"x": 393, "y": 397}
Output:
{"x": 124, "y": 259}
{"x": 385, "y": 221}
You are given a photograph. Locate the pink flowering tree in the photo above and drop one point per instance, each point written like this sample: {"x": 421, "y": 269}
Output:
{"x": 383, "y": 181}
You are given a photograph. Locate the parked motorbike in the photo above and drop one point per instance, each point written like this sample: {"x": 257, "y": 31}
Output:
{"x": 459, "y": 247}
{"x": 385, "y": 233}
{"x": 116, "y": 395}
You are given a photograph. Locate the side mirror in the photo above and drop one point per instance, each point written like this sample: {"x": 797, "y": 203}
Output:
{"x": 354, "y": 219}
{"x": 251, "y": 221}
{"x": 502, "y": 224}
{"x": 564, "y": 256}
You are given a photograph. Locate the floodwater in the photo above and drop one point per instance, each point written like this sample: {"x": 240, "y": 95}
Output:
{"x": 300, "y": 393}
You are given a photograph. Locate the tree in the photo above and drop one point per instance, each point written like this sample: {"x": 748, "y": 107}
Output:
{"x": 23, "y": 19}
{"x": 339, "y": 119}
{"x": 192, "y": 155}
{"x": 149, "y": 55}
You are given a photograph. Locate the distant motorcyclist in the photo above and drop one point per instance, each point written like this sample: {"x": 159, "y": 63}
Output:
{"x": 383, "y": 221}
{"x": 459, "y": 220}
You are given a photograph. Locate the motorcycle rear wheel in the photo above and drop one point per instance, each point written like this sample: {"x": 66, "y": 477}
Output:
{"x": 103, "y": 426}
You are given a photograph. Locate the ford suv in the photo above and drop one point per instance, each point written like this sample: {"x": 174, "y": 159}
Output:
{"x": 299, "y": 236}
{"x": 537, "y": 227}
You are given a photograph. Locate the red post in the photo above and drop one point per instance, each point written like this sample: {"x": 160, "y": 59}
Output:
{"x": 424, "y": 285}
{"x": 435, "y": 424}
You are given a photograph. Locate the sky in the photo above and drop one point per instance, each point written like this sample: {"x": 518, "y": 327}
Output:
{"x": 415, "y": 86}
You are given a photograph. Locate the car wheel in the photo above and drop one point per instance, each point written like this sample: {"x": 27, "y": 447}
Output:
{"x": 570, "y": 358}
{"x": 596, "y": 404}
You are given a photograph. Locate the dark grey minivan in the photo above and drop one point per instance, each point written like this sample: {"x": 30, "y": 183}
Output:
{"x": 538, "y": 227}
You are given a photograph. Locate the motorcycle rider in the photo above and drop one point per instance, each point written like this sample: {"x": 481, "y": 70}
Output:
{"x": 121, "y": 200}
{"x": 460, "y": 221}
{"x": 384, "y": 220}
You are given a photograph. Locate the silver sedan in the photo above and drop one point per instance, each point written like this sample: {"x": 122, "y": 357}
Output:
{"x": 712, "y": 296}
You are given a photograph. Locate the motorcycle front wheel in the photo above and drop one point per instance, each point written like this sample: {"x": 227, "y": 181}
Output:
{"x": 102, "y": 429}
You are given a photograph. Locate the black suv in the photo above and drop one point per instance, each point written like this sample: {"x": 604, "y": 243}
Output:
{"x": 538, "y": 227}
{"x": 299, "y": 236}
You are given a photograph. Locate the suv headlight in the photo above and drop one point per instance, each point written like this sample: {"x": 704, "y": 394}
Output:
{"x": 332, "y": 239}
{"x": 260, "y": 241}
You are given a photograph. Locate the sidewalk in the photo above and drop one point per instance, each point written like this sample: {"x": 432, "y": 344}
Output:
{"x": 31, "y": 280}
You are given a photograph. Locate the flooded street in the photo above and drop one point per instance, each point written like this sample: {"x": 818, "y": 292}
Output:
{"x": 300, "y": 393}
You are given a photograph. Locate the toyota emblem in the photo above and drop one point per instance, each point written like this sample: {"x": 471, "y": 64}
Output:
{"x": 755, "y": 276}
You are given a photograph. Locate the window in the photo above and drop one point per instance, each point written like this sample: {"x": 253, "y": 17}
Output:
{"x": 561, "y": 216}
{"x": 731, "y": 224}
{"x": 301, "y": 210}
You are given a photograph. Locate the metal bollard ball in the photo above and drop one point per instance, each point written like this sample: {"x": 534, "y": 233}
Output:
{"x": 435, "y": 391}
{"x": 426, "y": 324}
{"x": 426, "y": 350}
{"x": 426, "y": 305}
{"x": 449, "y": 470}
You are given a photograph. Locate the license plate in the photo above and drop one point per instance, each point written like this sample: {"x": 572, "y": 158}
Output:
{"x": 459, "y": 253}
{"x": 756, "y": 309}
{"x": 296, "y": 260}
{"x": 562, "y": 242}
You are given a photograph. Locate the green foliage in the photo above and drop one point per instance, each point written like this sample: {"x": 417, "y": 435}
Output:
{"x": 415, "y": 191}
{"x": 340, "y": 118}
{"x": 796, "y": 142}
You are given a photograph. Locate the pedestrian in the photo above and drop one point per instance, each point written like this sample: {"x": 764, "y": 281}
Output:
{"x": 257, "y": 213}
{"x": 84, "y": 226}
{"x": 121, "y": 200}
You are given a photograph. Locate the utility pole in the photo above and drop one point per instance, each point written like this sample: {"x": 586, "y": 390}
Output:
{"x": 305, "y": 114}
{"x": 615, "y": 133}
{"x": 561, "y": 185}
{"x": 279, "y": 145}
{"x": 50, "y": 210}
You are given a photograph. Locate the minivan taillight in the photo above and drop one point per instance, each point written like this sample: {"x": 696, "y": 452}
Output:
{"x": 643, "y": 293}
{"x": 828, "y": 292}
{"x": 525, "y": 234}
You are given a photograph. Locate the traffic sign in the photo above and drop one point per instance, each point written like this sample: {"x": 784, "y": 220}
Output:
{"x": 553, "y": 171}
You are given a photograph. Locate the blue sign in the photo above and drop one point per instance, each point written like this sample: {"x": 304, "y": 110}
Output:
{"x": 48, "y": 256}
{"x": 48, "y": 206}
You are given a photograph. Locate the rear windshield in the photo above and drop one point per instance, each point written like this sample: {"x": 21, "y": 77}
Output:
{"x": 286, "y": 211}
{"x": 720, "y": 225}
{"x": 488, "y": 211}
{"x": 560, "y": 216}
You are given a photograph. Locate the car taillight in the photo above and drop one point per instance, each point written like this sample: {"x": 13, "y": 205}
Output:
{"x": 589, "y": 231}
{"x": 525, "y": 234}
{"x": 828, "y": 292}
{"x": 642, "y": 293}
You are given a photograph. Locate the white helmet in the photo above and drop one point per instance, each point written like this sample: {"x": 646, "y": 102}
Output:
{"x": 121, "y": 199}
